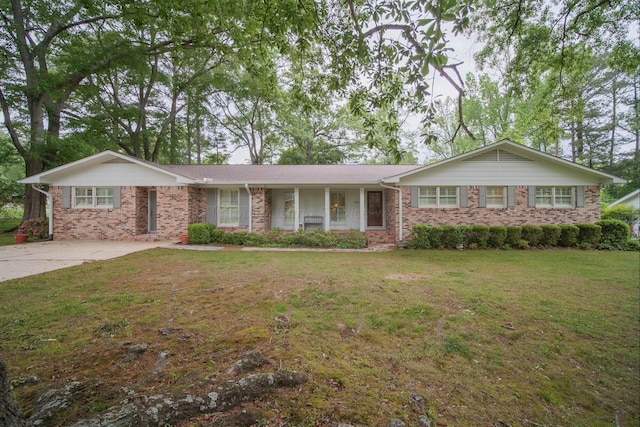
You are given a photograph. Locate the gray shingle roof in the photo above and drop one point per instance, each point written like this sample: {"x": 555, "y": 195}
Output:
{"x": 288, "y": 174}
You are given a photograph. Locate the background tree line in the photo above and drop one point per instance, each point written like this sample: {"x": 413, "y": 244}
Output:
{"x": 310, "y": 82}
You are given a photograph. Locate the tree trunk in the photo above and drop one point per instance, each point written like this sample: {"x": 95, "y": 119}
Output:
{"x": 35, "y": 203}
{"x": 9, "y": 412}
{"x": 614, "y": 101}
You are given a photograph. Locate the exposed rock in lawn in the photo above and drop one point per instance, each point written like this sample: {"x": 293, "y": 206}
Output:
{"x": 53, "y": 401}
{"x": 250, "y": 361}
{"x": 396, "y": 423}
{"x": 133, "y": 352}
{"x": 419, "y": 403}
{"x": 424, "y": 421}
{"x": 9, "y": 413}
{"x": 159, "y": 410}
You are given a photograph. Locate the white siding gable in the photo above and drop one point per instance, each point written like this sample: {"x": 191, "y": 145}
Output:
{"x": 114, "y": 174}
{"x": 500, "y": 167}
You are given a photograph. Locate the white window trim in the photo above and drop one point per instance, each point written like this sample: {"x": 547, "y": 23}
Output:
{"x": 438, "y": 205}
{"x": 554, "y": 204}
{"x": 504, "y": 198}
{"x": 94, "y": 198}
{"x": 220, "y": 207}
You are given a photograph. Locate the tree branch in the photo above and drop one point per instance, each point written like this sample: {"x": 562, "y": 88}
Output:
{"x": 15, "y": 139}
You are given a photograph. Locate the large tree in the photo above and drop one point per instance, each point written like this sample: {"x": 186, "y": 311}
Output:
{"x": 378, "y": 52}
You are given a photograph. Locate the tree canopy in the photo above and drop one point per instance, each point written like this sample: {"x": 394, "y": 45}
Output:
{"x": 314, "y": 81}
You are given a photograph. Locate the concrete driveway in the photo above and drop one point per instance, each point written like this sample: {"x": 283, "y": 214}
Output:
{"x": 38, "y": 257}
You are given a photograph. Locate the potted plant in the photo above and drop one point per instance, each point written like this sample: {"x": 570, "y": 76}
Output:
{"x": 21, "y": 235}
{"x": 184, "y": 238}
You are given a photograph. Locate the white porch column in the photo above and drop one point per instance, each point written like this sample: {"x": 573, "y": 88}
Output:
{"x": 363, "y": 210}
{"x": 296, "y": 204}
{"x": 327, "y": 209}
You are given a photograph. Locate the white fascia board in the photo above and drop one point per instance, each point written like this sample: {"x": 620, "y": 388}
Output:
{"x": 518, "y": 149}
{"x": 626, "y": 198}
{"x": 102, "y": 157}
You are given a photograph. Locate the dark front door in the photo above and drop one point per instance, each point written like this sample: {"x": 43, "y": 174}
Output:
{"x": 374, "y": 208}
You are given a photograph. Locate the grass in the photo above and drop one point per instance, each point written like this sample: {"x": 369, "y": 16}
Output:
{"x": 523, "y": 337}
{"x": 8, "y": 227}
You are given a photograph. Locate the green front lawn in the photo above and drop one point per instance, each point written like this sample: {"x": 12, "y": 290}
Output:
{"x": 8, "y": 228}
{"x": 485, "y": 337}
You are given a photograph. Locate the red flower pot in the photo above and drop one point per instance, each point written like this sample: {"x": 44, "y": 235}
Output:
{"x": 21, "y": 238}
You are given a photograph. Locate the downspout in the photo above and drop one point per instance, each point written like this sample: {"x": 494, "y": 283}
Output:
{"x": 246, "y": 186}
{"x": 400, "y": 222}
{"x": 50, "y": 209}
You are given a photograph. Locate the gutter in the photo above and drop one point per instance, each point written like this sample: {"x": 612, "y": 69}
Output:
{"x": 400, "y": 218}
{"x": 50, "y": 209}
{"x": 246, "y": 186}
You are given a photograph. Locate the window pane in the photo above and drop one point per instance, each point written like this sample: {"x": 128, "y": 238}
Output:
{"x": 83, "y": 196}
{"x": 229, "y": 216}
{"x": 338, "y": 208}
{"x": 229, "y": 210}
{"x": 544, "y": 196}
{"x": 495, "y": 196}
{"x": 564, "y": 196}
{"x": 427, "y": 196}
{"x": 104, "y": 196}
{"x": 448, "y": 196}
{"x": 289, "y": 208}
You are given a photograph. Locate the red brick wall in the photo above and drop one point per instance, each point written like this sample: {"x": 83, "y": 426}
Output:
{"x": 94, "y": 224}
{"x": 176, "y": 206}
{"x": 521, "y": 214}
{"x": 260, "y": 210}
{"x": 173, "y": 211}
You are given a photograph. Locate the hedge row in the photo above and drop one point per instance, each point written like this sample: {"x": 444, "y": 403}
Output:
{"x": 202, "y": 234}
{"x": 606, "y": 234}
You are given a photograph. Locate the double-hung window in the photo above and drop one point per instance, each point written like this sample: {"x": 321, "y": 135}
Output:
{"x": 229, "y": 208}
{"x": 93, "y": 197}
{"x": 556, "y": 197}
{"x": 289, "y": 208}
{"x": 338, "y": 207}
{"x": 438, "y": 197}
{"x": 496, "y": 197}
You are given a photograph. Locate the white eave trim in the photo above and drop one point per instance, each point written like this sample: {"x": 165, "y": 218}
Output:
{"x": 518, "y": 148}
{"x": 100, "y": 158}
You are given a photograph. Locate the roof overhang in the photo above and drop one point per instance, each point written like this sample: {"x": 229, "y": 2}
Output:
{"x": 48, "y": 177}
{"x": 603, "y": 178}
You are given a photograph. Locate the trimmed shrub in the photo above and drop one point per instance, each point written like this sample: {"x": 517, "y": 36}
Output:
{"x": 497, "y": 236}
{"x": 37, "y": 228}
{"x": 626, "y": 213}
{"x": 550, "y": 235}
{"x": 514, "y": 235}
{"x": 633, "y": 245}
{"x": 615, "y": 234}
{"x": 532, "y": 234}
{"x": 435, "y": 237}
{"x": 452, "y": 237}
{"x": 354, "y": 239}
{"x": 568, "y": 236}
{"x": 589, "y": 234}
{"x": 199, "y": 234}
{"x": 477, "y": 236}
{"x": 419, "y": 237}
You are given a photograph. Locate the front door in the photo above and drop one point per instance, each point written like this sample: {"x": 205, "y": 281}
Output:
{"x": 374, "y": 209}
{"x": 153, "y": 211}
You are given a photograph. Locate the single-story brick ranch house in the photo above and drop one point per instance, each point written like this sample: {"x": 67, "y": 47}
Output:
{"x": 113, "y": 196}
